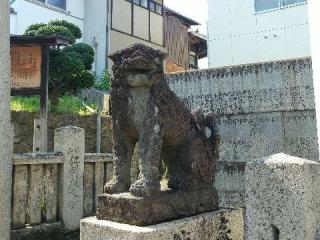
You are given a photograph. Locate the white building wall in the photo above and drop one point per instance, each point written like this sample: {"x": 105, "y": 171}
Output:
{"x": 13, "y": 23}
{"x": 29, "y": 12}
{"x": 239, "y": 35}
{"x": 95, "y": 31}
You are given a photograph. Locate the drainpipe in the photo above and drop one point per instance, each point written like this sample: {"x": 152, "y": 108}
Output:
{"x": 108, "y": 23}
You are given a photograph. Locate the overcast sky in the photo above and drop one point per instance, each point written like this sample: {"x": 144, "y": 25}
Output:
{"x": 196, "y": 10}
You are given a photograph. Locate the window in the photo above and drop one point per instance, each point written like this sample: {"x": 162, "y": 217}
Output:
{"x": 158, "y": 8}
{"x": 56, "y": 3}
{"x": 152, "y": 6}
{"x": 144, "y": 3}
{"x": 290, "y": 2}
{"x": 262, "y": 5}
{"x": 155, "y": 7}
{"x": 193, "y": 60}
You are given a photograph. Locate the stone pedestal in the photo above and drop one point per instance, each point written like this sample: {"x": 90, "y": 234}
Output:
{"x": 168, "y": 205}
{"x": 282, "y": 198}
{"x": 220, "y": 224}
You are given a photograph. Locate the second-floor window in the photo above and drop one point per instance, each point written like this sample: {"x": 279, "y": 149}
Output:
{"x": 56, "y": 3}
{"x": 263, "y": 5}
{"x": 153, "y": 6}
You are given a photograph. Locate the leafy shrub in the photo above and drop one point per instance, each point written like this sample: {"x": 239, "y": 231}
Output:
{"x": 104, "y": 82}
{"x": 74, "y": 29}
{"x": 70, "y": 67}
{"x": 56, "y": 31}
{"x": 84, "y": 51}
{"x": 32, "y": 29}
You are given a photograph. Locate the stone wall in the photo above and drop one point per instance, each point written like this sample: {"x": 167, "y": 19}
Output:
{"x": 23, "y": 127}
{"x": 261, "y": 109}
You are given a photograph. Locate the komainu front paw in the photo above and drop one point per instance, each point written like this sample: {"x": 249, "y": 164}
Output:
{"x": 142, "y": 188}
{"x": 115, "y": 186}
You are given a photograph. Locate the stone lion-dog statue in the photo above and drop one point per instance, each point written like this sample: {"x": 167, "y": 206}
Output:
{"x": 145, "y": 111}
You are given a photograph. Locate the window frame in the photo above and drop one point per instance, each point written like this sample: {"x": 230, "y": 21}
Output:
{"x": 280, "y": 6}
{"x": 51, "y": 5}
{"x": 149, "y": 2}
{"x": 132, "y": 16}
{"x": 155, "y": 7}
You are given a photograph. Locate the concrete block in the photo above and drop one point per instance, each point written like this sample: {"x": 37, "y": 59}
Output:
{"x": 221, "y": 224}
{"x": 282, "y": 198}
{"x": 165, "y": 206}
{"x": 70, "y": 141}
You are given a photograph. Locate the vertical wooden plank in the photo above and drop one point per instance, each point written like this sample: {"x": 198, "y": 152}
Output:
{"x": 36, "y": 135}
{"x": 51, "y": 192}
{"x": 109, "y": 171}
{"x": 99, "y": 177}
{"x": 19, "y": 201}
{"x": 40, "y": 136}
{"x": 88, "y": 195}
{"x": 35, "y": 195}
{"x": 44, "y": 97}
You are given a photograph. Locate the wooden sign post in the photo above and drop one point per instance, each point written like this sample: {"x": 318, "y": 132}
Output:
{"x": 30, "y": 76}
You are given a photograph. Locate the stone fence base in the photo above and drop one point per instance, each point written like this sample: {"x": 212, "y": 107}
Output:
{"x": 220, "y": 224}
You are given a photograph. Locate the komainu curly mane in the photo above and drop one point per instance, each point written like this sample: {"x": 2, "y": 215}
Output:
{"x": 147, "y": 112}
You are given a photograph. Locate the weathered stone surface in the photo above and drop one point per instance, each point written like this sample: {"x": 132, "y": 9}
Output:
{"x": 70, "y": 141}
{"x": 218, "y": 225}
{"x": 262, "y": 109}
{"x": 229, "y": 183}
{"x": 168, "y": 205}
{"x": 262, "y": 87}
{"x": 282, "y": 198}
{"x": 147, "y": 112}
{"x": 6, "y": 132}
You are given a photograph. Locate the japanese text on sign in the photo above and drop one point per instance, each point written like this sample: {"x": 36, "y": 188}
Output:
{"x": 25, "y": 67}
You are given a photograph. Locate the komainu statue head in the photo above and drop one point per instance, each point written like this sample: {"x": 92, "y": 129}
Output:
{"x": 137, "y": 65}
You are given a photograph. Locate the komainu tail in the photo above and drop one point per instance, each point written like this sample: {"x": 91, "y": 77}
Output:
{"x": 206, "y": 123}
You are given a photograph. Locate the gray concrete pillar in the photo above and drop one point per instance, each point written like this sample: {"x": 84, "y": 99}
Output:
{"x": 70, "y": 141}
{"x": 314, "y": 23}
{"x": 282, "y": 198}
{"x": 6, "y": 133}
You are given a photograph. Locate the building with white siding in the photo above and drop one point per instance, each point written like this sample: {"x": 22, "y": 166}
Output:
{"x": 251, "y": 31}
